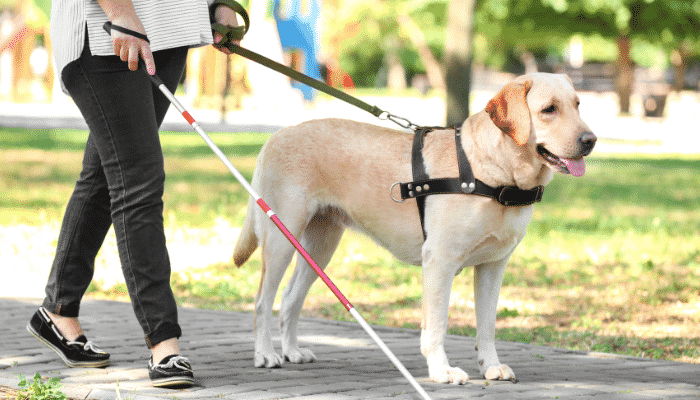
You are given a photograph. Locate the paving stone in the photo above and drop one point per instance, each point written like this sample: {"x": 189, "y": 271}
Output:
{"x": 258, "y": 395}
{"x": 77, "y": 392}
{"x": 398, "y": 397}
{"x": 364, "y": 394}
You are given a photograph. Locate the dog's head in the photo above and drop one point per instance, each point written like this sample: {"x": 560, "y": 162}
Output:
{"x": 541, "y": 110}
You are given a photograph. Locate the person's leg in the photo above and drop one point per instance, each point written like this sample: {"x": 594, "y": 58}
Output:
{"x": 170, "y": 66}
{"x": 123, "y": 112}
{"x": 85, "y": 224}
{"x": 120, "y": 108}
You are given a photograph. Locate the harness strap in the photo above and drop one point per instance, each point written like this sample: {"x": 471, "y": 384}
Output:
{"x": 422, "y": 185}
{"x": 510, "y": 196}
{"x": 419, "y": 174}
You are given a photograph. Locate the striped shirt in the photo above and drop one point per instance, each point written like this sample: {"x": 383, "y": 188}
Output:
{"x": 168, "y": 24}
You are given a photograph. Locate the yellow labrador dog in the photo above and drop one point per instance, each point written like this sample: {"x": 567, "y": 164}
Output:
{"x": 324, "y": 176}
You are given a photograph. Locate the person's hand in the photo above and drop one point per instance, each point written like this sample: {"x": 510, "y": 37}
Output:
{"x": 225, "y": 16}
{"x": 127, "y": 47}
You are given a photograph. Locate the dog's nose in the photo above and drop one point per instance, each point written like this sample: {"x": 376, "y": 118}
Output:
{"x": 588, "y": 140}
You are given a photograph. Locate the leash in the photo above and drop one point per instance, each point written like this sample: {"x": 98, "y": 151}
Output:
{"x": 230, "y": 34}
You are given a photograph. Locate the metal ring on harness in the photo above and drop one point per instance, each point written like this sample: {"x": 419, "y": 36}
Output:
{"x": 391, "y": 189}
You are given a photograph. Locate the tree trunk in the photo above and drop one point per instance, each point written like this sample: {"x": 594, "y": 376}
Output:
{"x": 415, "y": 35}
{"x": 679, "y": 61}
{"x": 458, "y": 59}
{"x": 625, "y": 73}
{"x": 528, "y": 60}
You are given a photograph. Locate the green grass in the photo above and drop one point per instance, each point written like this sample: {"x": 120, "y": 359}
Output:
{"x": 40, "y": 168}
{"x": 611, "y": 261}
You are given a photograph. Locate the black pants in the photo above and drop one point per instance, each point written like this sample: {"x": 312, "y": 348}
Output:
{"x": 121, "y": 183}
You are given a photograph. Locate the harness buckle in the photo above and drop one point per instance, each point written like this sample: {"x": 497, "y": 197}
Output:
{"x": 502, "y": 196}
{"x": 540, "y": 193}
{"x": 508, "y": 200}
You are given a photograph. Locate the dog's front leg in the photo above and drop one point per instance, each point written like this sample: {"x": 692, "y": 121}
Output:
{"x": 488, "y": 278}
{"x": 437, "y": 283}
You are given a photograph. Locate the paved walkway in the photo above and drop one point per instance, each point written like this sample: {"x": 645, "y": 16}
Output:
{"x": 349, "y": 365}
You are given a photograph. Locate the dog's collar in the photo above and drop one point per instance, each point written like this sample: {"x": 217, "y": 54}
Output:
{"x": 422, "y": 185}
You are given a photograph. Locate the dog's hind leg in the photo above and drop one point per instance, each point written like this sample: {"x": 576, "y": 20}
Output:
{"x": 320, "y": 240}
{"x": 277, "y": 253}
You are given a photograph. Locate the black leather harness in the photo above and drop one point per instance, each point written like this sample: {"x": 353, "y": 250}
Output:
{"x": 422, "y": 185}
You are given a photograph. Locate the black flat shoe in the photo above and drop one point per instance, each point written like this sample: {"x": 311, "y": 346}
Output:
{"x": 77, "y": 353}
{"x": 173, "y": 371}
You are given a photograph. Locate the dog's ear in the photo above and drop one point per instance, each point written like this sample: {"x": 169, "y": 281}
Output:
{"x": 509, "y": 111}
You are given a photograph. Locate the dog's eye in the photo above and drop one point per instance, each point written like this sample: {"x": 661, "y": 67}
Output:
{"x": 550, "y": 110}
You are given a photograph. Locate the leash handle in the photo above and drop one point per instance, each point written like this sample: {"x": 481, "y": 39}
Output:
{"x": 229, "y": 32}
{"x": 108, "y": 26}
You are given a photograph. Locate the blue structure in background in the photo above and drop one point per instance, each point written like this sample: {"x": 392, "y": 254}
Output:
{"x": 298, "y": 30}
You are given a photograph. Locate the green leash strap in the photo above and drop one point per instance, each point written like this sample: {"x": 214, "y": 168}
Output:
{"x": 236, "y": 34}
{"x": 298, "y": 76}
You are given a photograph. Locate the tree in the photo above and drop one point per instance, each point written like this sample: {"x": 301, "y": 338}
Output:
{"x": 458, "y": 47}
{"x": 665, "y": 23}
{"x": 365, "y": 34}
{"x": 417, "y": 38}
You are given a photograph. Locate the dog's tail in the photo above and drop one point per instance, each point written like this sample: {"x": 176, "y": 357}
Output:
{"x": 247, "y": 240}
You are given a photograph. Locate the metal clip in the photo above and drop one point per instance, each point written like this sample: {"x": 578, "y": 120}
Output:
{"x": 400, "y": 121}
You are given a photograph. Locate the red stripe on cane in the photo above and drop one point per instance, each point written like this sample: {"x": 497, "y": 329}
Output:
{"x": 263, "y": 205}
{"x": 188, "y": 117}
{"x": 304, "y": 254}
{"x": 311, "y": 262}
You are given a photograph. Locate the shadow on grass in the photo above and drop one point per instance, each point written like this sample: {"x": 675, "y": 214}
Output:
{"x": 655, "y": 348}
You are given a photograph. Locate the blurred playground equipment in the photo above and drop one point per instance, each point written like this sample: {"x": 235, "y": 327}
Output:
{"x": 26, "y": 70}
{"x": 297, "y": 25}
{"x": 284, "y": 30}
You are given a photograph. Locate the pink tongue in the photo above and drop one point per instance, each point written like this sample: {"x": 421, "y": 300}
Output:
{"x": 576, "y": 167}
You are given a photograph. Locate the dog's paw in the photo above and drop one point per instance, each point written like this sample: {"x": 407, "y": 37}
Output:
{"x": 268, "y": 360}
{"x": 450, "y": 375}
{"x": 299, "y": 356}
{"x": 499, "y": 373}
